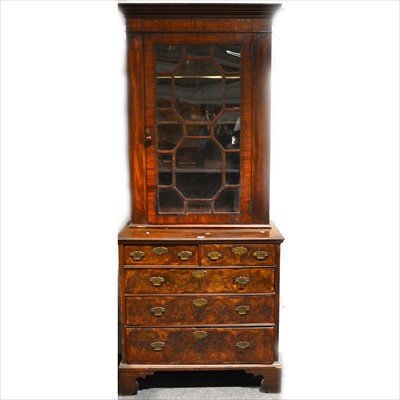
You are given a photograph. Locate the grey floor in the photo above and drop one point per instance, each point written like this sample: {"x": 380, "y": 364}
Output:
{"x": 203, "y": 393}
{"x": 221, "y": 385}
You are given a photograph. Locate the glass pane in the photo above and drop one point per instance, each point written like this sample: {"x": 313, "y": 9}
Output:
{"x": 198, "y": 185}
{"x": 228, "y": 201}
{"x": 168, "y": 57}
{"x": 232, "y": 162}
{"x": 232, "y": 93}
{"x": 227, "y": 130}
{"x": 200, "y": 68}
{"x": 167, "y": 116}
{"x": 228, "y": 57}
{"x": 199, "y": 155}
{"x": 169, "y": 201}
{"x": 165, "y": 169}
{"x": 198, "y": 130}
{"x": 198, "y": 93}
{"x": 164, "y": 93}
{"x": 197, "y": 51}
{"x": 198, "y": 99}
{"x": 196, "y": 207}
{"x": 169, "y": 135}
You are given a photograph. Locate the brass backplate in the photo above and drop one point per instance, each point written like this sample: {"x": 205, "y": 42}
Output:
{"x": 200, "y": 302}
{"x": 159, "y": 251}
{"x": 239, "y": 251}
{"x": 200, "y": 334}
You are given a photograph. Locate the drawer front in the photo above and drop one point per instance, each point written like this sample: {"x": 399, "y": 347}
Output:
{"x": 233, "y": 254}
{"x": 200, "y": 345}
{"x": 199, "y": 309}
{"x": 198, "y": 280}
{"x": 161, "y": 255}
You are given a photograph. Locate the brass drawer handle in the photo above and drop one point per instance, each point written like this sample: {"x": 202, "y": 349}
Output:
{"x": 157, "y": 346}
{"x": 184, "y": 255}
{"x": 157, "y": 311}
{"x": 242, "y": 281}
{"x": 137, "y": 255}
{"x": 157, "y": 280}
{"x": 239, "y": 251}
{"x": 243, "y": 345}
{"x": 199, "y": 302}
{"x": 242, "y": 310}
{"x": 199, "y": 273}
{"x": 260, "y": 255}
{"x": 214, "y": 255}
{"x": 159, "y": 251}
{"x": 200, "y": 334}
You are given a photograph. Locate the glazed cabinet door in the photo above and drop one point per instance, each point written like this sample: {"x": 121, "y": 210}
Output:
{"x": 198, "y": 128}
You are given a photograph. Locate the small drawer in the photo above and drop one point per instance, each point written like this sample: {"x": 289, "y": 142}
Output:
{"x": 234, "y": 254}
{"x": 198, "y": 280}
{"x": 161, "y": 255}
{"x": 199, "y": 309}
{"x": 200, "y": 345}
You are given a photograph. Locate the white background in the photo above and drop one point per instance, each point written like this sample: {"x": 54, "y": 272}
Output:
{"x": 334, "y": 195}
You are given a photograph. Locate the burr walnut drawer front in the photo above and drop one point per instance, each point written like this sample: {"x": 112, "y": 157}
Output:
{"x": 198, "y": 280}
{"x": 200, "y": 345}
{"x": 161, "y": 255}
{"x": 243, "y": 254}
{"x": 199, "y": 309}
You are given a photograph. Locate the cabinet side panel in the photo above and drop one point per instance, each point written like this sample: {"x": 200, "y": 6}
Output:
{"x": 261, "y": 128}
{"x": 122, "y": 300}
{"x": 137, "y": 157}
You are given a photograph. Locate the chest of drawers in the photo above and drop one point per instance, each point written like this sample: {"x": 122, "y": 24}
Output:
{"x": 199, "y": 300}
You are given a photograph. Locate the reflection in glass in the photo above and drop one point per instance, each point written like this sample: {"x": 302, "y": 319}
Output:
{"x": 169, "y": 135}
{"x": 227, "y": 130}
{"x": 198, "y": 130}
{"x": 198, "y": 99}
{"x": 168, "y": 57}
{"x": 198, "y": 51}
{"x": 232, "y": 94}
{"x": 164, "y": 93}
{"x": 198, "y": 68}
{"x": 228, "y": 57}
{"x": 165, "y": 169}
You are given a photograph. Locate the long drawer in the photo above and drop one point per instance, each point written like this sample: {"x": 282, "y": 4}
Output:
{"x": 200, "y": 345}
{"x": 199, "y": 309}
{"x": 207, "y": 280}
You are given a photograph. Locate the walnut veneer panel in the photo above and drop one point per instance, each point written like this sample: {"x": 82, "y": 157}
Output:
{"x": 184, "y": 280}
{"x": 199, "y": 309}
{"x": 180, "y": 346}
{"x": 247, "y": 254}
{"x": 161, "y": 255}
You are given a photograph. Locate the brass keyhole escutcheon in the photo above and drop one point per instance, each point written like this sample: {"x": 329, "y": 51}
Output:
{"x": 200, "y": 302}
{"x": 159, "y": 251}
{"x": 260, "y": 255}
{"x": 214, "y": 255}
{"x": 200, "y": 334}
{"x": 137, "y": 255}
{"x": 184, "y": 255}
{"x": 243, "y": 345}
{"x": 239, "y": 251}
{"x": 242, "y": 281}
{"x": 242, "y": 310}
{"x": 199, "y": 273}
{"x": 157, "y": 311}
{"x": 157, "y": 280}
{"x": 157, "y": 346}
